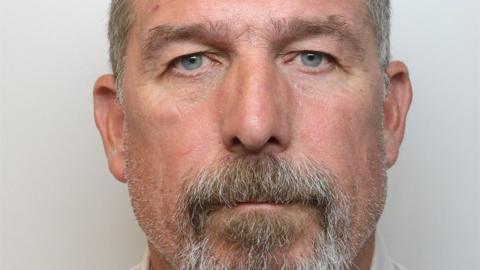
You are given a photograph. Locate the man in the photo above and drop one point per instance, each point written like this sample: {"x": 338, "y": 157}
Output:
{"x": 254, "y": 134}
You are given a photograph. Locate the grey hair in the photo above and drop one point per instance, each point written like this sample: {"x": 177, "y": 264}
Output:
{"x": 379, "y": 12}
{"x": 122, "y": 18}
{"x": 121, "y": 21}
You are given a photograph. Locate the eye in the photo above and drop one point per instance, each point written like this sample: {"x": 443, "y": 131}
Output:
{"x": 311, "y": 62}
{"x": 190, "y": 62}
{"x": 194, "y": 64}
{"x": 312, "y": 59}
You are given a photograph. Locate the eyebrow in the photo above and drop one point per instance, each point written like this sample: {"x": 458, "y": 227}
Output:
{"x": 216, "y": 34}
{"x": 220, "y": 35}
{"x": 335, "y": 26}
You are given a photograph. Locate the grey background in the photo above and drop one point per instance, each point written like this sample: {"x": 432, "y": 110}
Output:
{"x": 61, "y": 209}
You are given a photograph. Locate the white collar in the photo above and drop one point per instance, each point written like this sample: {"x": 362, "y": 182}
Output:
{"x": 381, "y": 260}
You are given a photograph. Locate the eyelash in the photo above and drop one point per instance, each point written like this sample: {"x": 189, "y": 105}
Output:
{"x": 291, "y": 56}
{"x": 176, "y": 61}
{"x": 294, "y": 56}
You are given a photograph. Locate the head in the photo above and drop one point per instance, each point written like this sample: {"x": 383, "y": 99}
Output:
{"x": 253, "y": 134}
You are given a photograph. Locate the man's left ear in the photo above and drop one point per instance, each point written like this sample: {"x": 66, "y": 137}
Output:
{"x": 395, "y": 108}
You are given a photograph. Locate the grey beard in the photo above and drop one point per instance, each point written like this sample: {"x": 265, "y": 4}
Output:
{"x": 258, "y": 240}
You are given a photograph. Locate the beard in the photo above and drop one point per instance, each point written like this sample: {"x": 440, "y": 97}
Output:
{"x": 305, "y": 209}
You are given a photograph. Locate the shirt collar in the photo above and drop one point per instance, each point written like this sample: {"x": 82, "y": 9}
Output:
{"x": 381, "y": 260}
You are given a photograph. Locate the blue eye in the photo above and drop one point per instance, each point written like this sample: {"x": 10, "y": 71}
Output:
{"x": 312, "y": 59}
{"x": 191, "y": 62}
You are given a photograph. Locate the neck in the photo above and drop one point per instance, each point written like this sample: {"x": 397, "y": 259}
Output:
{"x": 364, "y": 258}
{"x": 157, "y": 260}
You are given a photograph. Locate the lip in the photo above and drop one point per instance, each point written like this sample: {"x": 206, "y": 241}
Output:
{"x": 259, "y": 205}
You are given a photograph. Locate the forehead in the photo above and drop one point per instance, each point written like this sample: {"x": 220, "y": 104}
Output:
{"x": 246, "y": 13}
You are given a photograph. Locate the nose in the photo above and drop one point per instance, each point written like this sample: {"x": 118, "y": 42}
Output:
{"x": 255, "y": 108}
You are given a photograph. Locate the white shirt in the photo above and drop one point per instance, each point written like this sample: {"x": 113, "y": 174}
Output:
{"x": 381, "y": 260}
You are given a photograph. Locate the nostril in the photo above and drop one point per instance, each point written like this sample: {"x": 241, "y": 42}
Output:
{"x": 273, "y": 140}
{"x": 236, "y": 141}
{"x": 253, "y": 146}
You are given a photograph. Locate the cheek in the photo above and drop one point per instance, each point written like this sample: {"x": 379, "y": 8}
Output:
{"x": 338, "y": 127}
{"x": 164, "y": 142}
{"x": 344, "y": 132}
{"x": 345, "y": 135}
{"x": 171, "y": 137}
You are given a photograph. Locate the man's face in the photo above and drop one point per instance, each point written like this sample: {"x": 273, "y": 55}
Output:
{"x": 221, "y": 95}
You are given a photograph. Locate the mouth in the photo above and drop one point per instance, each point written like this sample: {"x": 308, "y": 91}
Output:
{"x": 267, "y": 206}
{"x": 266, "y": 203}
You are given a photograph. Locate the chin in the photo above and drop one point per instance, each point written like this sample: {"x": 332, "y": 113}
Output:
{"x": 265, "y": 236}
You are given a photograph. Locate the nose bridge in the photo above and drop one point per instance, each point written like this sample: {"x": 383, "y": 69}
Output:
{"x": 256, "y": 93}
{"x": 255, "y": 114}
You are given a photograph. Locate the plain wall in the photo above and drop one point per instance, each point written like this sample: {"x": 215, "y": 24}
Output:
{"x": 61, "y": 209}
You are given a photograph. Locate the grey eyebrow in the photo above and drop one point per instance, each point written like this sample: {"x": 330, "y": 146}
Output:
{"x": 334, "y": 26}
{"x": 161, "y": 36}
{"x": 220, "y": 35}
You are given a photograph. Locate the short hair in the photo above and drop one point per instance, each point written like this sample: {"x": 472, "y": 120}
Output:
{"x": 122, "y": 17}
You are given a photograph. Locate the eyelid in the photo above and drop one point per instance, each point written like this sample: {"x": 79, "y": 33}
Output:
{"x": 294, "y": 54}
{"x": 293, "y": 59}
{"x": 175, "y": 61}
{"x": 172, "y": 64}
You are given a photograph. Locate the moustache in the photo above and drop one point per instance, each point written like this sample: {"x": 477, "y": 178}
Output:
{"x": 267, "y": 179}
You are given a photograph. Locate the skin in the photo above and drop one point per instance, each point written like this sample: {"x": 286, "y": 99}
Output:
{"x": 251, "y": 99}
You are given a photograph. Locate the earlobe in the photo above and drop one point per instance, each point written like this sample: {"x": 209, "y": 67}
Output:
{"x": 109, "y": 120}
{"x": 395, "y": 108}
{"x": 116, "y": 164}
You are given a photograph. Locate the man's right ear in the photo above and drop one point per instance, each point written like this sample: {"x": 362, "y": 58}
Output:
{"x": 109, "y": 118}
